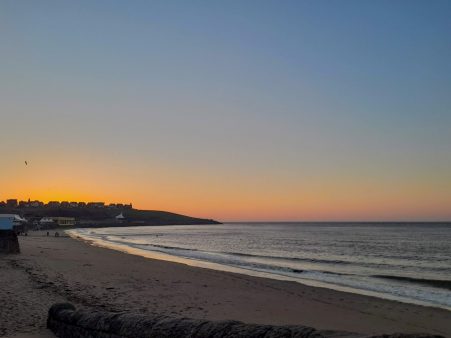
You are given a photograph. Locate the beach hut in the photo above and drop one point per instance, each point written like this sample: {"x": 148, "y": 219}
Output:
{"x": 11, "y": 221}
{"x": 8, "y": 238}
{"x": 7, "y": 221}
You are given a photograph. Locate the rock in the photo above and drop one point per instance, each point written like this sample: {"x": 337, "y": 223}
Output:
{"x": 9, "y": 243}
{"x": 67, "y": 322}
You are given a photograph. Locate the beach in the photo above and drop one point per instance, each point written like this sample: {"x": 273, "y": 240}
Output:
{"x": 62, "y": 269}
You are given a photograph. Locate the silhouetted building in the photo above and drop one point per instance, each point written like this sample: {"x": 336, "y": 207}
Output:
{"x": 23, "y": 204}
{"x": 11, "y": 203}
{"x": 96, "y": 204}
{"x": 36, "y": 204}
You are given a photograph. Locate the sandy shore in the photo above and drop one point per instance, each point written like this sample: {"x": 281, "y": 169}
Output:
{"x": 62, "y": 269}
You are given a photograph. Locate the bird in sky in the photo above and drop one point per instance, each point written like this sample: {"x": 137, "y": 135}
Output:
{"x": 26, "y": 163}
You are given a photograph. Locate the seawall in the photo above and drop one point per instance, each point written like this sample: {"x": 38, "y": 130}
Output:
{"x": 67, "y": 322}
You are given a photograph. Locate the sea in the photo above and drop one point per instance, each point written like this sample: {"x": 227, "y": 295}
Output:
{"x": 407, "y": 262}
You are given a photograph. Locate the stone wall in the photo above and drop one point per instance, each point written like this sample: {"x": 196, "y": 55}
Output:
{"x": 67, "y": 322}
{"x": 9, "y": 242}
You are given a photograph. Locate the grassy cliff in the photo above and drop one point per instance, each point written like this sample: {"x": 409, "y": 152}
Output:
{"x": 87, "y": 216}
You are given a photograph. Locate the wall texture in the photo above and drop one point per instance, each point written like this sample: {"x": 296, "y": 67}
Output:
{"x": 67, "y": 322}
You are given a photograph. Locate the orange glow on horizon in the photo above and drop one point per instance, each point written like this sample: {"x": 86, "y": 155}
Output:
{"x": 205, "y": 193}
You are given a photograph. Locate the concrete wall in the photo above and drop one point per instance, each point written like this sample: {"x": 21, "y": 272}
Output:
{"x": 67, "y": 322}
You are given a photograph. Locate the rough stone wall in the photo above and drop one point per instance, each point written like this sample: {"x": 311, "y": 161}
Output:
{"x": 67, "y": 322}
{"x": 9, "y": 242}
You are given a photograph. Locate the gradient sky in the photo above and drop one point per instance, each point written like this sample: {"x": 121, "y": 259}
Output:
{"x": 234, "y": 110}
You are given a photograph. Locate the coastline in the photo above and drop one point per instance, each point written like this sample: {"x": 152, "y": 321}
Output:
{"x": 155, "y": 254}
{"x": 58, "y": 269}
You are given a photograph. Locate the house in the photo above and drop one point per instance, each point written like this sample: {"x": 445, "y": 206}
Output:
{"x": 36, "y": 204}
{"x": 11, "y": 203}
{"x": 96, "y": 205}
{"x": 23, "y": 204}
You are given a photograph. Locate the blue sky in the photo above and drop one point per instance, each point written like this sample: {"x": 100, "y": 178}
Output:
{"x": 250, "y": 94}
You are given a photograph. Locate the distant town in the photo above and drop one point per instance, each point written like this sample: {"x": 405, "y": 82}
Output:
{"x": 37, "y": 215}
{"x": 14, "y": 203}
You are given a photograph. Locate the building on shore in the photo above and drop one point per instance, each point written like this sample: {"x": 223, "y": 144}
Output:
{"x": 7, "y": 221}
{"x": 46, "y": 222}
{"x": 8, "y": 237}
{"x": 64, "y": 221}
{"x": 50, "y": 222}
{"x": 12, "y": 222}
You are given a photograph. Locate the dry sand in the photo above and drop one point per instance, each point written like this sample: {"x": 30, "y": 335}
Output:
{"x": 62, "y": 269}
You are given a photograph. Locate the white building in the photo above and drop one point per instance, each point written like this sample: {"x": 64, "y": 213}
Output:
{"x": 46, "y": 221}
{"x": 120, "y": 218}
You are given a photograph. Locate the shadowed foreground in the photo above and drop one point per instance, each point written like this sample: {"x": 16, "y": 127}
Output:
{"x": 67, "y": 322}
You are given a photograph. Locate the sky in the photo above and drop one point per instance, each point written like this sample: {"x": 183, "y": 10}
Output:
{"x": 233, "y": 110}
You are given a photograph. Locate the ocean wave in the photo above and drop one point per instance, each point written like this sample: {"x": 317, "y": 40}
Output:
{"x": 439, "y": 283}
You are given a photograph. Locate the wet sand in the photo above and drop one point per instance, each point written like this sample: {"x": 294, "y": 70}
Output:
{"x": 63, "y": 269}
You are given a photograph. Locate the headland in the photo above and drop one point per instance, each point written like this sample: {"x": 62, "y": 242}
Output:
{"x": 39, "y": 215}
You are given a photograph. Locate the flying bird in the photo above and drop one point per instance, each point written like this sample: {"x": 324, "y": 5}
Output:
{"x": 26, "y": 163}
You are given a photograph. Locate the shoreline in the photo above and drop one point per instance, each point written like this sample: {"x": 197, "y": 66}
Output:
{"x": 255, "y": 273}
{"x": 59, "y": 269}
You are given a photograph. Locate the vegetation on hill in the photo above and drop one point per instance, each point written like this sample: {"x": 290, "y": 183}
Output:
{"x": 106, "y": 215}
